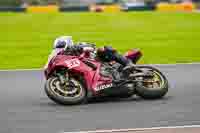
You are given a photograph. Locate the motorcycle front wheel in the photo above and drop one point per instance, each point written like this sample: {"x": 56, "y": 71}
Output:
{"x": 153, "y": 87}
{"x": 72, "y": 93}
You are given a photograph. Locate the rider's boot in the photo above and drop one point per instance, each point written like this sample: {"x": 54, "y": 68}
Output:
{"x": 127, "y": 64}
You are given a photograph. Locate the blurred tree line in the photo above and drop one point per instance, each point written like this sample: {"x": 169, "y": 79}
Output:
{"x": 60, "y": 2}
{"x": 10, "y": 2}
{"x": 31, "y": 2}
{"x": 42, "y": 2}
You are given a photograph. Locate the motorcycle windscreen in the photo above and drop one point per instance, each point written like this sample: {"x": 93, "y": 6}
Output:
{"x": 54, "y": 52}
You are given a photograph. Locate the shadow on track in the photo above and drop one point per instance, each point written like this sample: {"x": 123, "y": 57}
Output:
{"x": 109, "y": 100}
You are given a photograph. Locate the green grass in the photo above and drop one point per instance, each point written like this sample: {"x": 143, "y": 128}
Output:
{"x": 26, "y": 39}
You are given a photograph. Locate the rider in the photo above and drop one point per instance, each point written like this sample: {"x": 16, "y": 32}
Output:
{"x": 106, "y": 53}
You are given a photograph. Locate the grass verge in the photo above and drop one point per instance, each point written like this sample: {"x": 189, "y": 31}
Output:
{"x": 26, "y": 39}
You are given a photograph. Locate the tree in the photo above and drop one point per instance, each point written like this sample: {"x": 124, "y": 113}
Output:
{"x": 10, "y": 3}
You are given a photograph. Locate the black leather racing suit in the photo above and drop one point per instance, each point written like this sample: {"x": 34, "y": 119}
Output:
{"x": 106, "y": 53}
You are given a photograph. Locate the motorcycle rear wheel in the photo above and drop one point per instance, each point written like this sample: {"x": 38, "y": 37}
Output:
{"x": 58, "y": 94}
{"x": 147, "y": 89}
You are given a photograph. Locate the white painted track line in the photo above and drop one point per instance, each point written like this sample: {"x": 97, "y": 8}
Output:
{"x": 137, "y": 129}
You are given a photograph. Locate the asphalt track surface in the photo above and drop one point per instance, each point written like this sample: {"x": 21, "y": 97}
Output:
{"x": 24, "y": 107}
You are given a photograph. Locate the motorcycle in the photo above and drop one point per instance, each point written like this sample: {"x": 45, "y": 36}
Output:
{"x": 73, "y": 79}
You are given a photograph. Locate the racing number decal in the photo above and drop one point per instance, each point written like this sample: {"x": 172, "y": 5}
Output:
{"x": 72, "y": 63}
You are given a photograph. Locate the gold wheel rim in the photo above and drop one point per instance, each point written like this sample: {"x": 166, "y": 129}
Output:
{"x": 154, "y": 83}
{"x": 57, "y": 89}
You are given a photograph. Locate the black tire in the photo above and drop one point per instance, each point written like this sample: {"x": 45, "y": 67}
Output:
{"x": 155, "y": 93}
{"x": 62, "y": 99}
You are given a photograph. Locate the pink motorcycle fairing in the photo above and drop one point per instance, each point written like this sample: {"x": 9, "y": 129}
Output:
{"x": 75, "y": 64}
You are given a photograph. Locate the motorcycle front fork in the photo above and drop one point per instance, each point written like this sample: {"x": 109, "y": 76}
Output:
{"x": 63, "y": 77}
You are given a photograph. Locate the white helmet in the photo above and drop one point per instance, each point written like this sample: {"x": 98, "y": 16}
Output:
{"x": 63, "y": 42}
